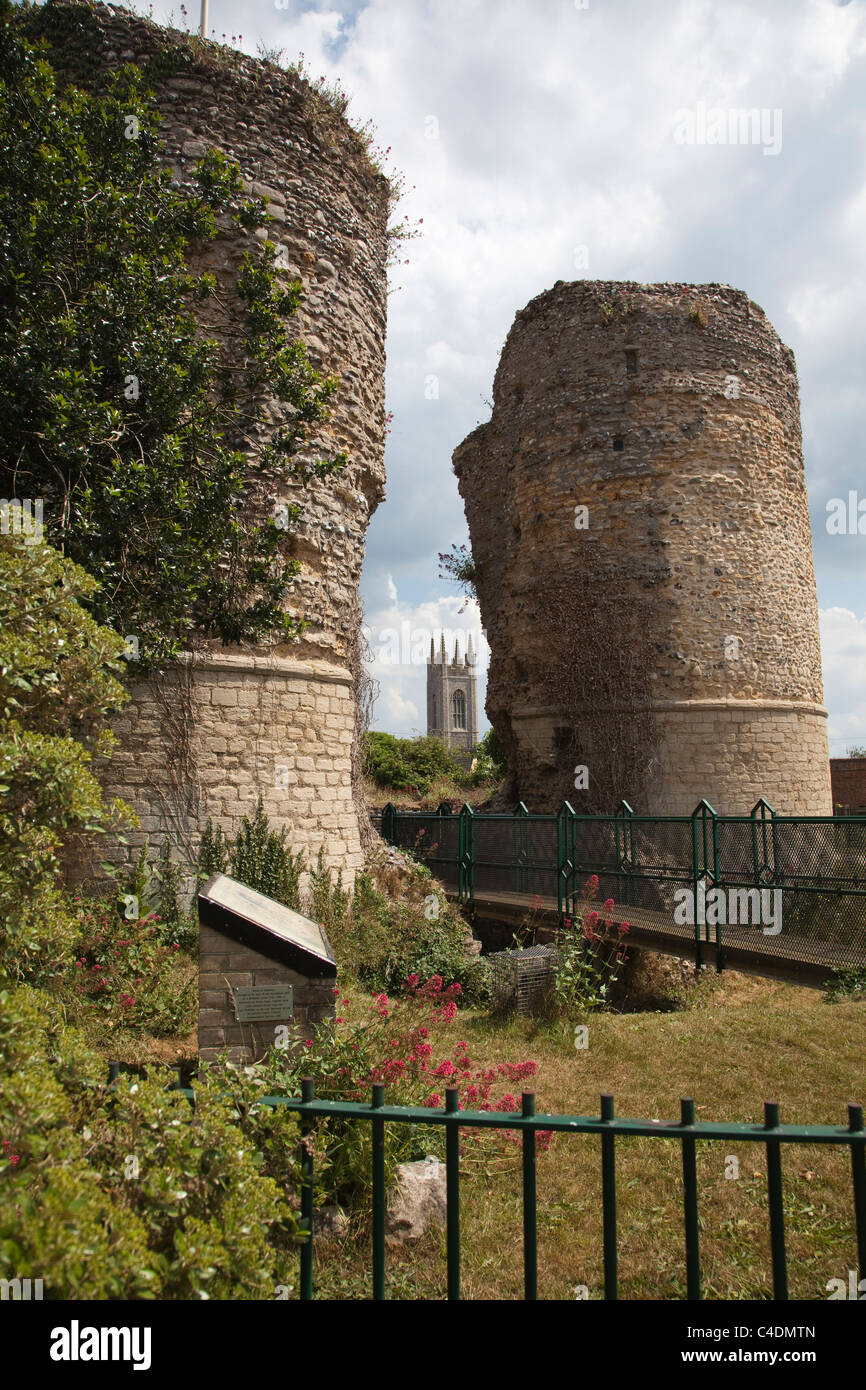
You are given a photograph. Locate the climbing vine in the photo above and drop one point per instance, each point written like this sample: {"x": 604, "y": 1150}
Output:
{"x": 129, "y": 423}
{"x": 599, "y": 678}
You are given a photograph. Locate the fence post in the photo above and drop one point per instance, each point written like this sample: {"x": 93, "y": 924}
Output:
{"x": 690, "y": 1201}
{"x": 452, "y": 1193}
{"x": 308, "y": 1092}
{"x": 377, "y": 1128}
{"x": 764, "y": 861}
{"x": 776, "y": 1203}
{"x": 520, "y": 825}
{"x": 623, "y": 826}
{"x": 858, "y": 1176}
{"x": 389, "y": 814}
{"x": 705, "y": 848}
{"x": 466, "y": 852}
{"x": 608, "y": 1200}
{"x": 530, "y": 1215}
{"x": 565, "y": 866}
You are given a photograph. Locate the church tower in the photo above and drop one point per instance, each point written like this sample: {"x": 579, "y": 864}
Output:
{"x": 452, "y": 697}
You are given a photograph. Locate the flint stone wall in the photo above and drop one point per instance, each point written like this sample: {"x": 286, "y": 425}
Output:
{"x": 293, "y": 707}
{"x": 672, "y": 414}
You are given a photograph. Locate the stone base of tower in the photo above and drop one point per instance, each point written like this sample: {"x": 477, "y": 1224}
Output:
{"x": 732, "y": 752}
{"x": 208, "y": 741}
{"x": 727, "y": 752}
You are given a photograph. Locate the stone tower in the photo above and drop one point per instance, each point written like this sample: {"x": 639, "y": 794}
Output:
{"x": 452, "y": 697}
{"x": 639, "y": 522}
{"x": 209, "y": 737}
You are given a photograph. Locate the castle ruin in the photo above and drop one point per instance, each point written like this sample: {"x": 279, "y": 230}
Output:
{"x": 639, "y": 522}
{"x": 209, "y": 736}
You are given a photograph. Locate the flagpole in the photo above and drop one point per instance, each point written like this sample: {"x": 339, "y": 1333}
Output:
{"x": 203, "y": 28}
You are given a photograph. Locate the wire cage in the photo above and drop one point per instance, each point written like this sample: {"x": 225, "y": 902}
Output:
{"x": 521, "y": 980}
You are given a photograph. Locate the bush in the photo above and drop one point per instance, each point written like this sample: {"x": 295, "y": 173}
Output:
{"x": 383, "y": 940}
{"x": 58, "y": 681}
{"x": 588, "y": 962}
{"x": 846, "y": 984}
{"x": 397, "y": 1042}
{"x": 131, "y": 1192}
{"x": 411, "y": 764}
{"x": 492, "y": 766}
{"x": 128, "y": 974}
{"x": 259, "y": 858}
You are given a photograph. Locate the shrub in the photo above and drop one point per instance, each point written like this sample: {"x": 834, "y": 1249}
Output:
{"x": 384, "y": 939}
{"x": 397, "y": 1042}
{"x": 58, "y": 680}
{"x": 260, "y": 859}
{"x": 492, "y": 765}
{"x": 410, "y": 764}
{"x": 846, "y": 984}
{"x": 128, "y": 974}
{"x": 329, "y": 902}
{"x": 129, "y": 1191}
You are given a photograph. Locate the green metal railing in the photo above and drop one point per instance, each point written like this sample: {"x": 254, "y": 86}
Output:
{"x": 687, "y": 1131}
{"x": 817, "y": 862}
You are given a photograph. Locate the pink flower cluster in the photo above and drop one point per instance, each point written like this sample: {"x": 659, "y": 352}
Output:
{"x": 393, "y": 1046}
{"x": 14, "y": 1159}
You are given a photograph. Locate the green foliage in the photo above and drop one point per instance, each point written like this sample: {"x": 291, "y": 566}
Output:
{"x": 130, "y": 1192}
{"x": 588, "y": 959}
{"x": 214, "y": 853}
{"x": 846, "y": 984}
{"x": 118, "y": 412}
{"x": 384, "y": 939}
{"x": 458, "y": 565}
{"x": 127, "y": 974}
{"x": 410, "y": 764}
{"x": 261, "y": 860}
{"x": 329, "y": 901}
{"x": 492, "y": 765}
{"x": 57, "y": 682}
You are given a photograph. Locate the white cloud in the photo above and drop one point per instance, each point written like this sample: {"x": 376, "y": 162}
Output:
{"x": 555, "y": 131}
{"x": 399, "y": 636}
{"x": 843, "y": 648}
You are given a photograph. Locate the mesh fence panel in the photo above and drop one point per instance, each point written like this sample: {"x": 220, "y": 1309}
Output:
{"x": 794, "y": 888}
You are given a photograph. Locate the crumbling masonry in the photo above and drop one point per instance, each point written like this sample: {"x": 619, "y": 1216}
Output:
{"x": 281, "y": 721}
{"x": 638, "y": 517}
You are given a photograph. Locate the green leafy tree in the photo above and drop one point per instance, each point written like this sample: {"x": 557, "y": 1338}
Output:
{"x": 410, "y": 763}
{"x": 492, "y": 763}
{"x": 119, "y": 413}
{"x": 58, "y": 680}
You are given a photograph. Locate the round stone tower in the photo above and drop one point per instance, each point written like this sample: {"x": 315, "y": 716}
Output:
{"x": 210, "y": 736}
{"x": 639, "y": 523}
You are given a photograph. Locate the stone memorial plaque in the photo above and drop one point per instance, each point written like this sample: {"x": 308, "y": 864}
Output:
{"x": 264, "y": 1003}
{"x": 254, "y": 920}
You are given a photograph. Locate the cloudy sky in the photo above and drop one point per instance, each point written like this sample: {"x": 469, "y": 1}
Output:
{"x": 538, "y": 142}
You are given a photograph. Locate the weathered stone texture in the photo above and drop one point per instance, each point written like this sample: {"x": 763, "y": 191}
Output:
{"x": 292, "y": 705}
{"x": 671, "y": 414}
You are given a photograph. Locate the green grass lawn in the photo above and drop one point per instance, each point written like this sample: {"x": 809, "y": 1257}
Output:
{"x": 743, "y": 1041}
